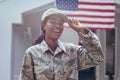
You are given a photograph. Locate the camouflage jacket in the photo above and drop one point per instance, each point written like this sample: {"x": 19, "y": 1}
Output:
{"x": 40, "y": 63}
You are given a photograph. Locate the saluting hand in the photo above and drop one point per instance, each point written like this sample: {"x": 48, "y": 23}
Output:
{"x": 75, "y": 24}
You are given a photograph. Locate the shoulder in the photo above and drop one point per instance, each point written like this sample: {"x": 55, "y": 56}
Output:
{"x": 72, "y": 46}
{"x": 38, "y": 48}
{"x": 31, "y": 49}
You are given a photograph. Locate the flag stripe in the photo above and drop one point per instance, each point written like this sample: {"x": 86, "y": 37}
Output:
{"x": 95, "y": 19}
{"x": 97, "y": 3}
{"x": 98, "y": 25}
{"x": 88, "y": 13}
{"x": 95, "y": 10}
{"x": 96, "y": 7}
{"x": 90, "y": 16}
{"x": 91, "y": 22}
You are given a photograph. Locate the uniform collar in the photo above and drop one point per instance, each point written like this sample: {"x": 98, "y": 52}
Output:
{"x": 44, "y": 47}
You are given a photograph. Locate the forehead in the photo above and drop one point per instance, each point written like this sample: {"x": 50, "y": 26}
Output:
{"x": 56, "y": 17}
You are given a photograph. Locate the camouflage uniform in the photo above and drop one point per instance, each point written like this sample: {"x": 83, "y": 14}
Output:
{"x": 41, "y": 63}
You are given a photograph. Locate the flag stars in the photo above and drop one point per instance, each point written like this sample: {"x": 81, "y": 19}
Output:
{"x": 67, "y": 4}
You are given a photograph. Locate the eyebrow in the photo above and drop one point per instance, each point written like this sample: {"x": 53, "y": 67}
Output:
{"x": 55, "y": 20}
{"x": 52, "y": 18}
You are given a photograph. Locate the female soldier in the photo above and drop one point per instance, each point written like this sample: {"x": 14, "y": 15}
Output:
{"x": 51, "y": 59}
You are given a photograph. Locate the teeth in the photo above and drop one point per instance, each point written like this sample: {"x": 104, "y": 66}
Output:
{"x": 56, "y": 30}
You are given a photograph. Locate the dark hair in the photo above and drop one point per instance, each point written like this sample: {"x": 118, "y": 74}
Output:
{"x": 40, "y": 38}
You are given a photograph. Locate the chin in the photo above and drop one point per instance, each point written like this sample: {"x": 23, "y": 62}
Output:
{"x": 56, "y": 38}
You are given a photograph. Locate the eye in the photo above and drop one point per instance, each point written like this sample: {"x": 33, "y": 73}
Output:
{"x": 52, "y": 22}
{"x": 61, "y": 23}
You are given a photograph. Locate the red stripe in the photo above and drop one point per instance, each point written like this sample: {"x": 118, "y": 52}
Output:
{"x": 96, "y": 3}
{"x": 95, "y": 10}
{"x": 90, "y": 22}
{"x": 102, "y": 28}
{"x": 90, "y": 16}
{"x": 96, "y": 28}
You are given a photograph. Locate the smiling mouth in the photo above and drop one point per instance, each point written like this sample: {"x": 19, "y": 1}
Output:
{"x": 57, "y": 32}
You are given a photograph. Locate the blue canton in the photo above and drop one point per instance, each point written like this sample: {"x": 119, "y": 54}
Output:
{"x": 67, "y": 4}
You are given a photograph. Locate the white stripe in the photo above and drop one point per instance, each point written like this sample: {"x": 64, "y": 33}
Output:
{"x": 97, "y": 7}
{"x": 93, "y": 19}
{"x": 89, "y": 13}
{"x": 95, "y": 25}
{"x": 98, "y": 25}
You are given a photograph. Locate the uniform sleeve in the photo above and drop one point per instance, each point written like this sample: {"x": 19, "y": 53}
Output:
{"x": 90, "y": 54}
{"x": 27, "y": 68}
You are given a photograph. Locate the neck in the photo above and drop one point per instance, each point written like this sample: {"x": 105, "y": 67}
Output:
{"x": 52, "y": 44}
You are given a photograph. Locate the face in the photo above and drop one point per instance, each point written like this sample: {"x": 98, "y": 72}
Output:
{"x": 53, "y": 27}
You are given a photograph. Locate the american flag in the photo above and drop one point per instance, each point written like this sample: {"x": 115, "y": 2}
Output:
{"x": 98, "y": 14}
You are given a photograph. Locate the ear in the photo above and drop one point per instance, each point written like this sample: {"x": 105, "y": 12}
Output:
{"x": 43, "y": 23}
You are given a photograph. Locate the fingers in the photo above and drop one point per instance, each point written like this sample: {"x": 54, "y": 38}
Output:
{"x": 72, "y": 22}
{"x": 69, "y": 21}
{"x": 75, "y": 24}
